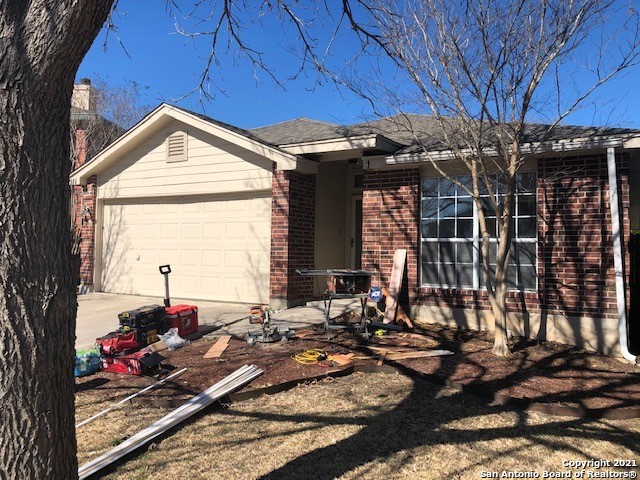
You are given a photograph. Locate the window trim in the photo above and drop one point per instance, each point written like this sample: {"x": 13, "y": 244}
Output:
{"x": 476, "y": 240}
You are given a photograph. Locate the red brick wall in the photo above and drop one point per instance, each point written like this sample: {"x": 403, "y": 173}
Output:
{"x": 292, "y": 235}
{"x": 84, "y": 215}
{"x": 575, "y": 253}
{"x": 390, "y": 220}
{"x": 576, "y": 273}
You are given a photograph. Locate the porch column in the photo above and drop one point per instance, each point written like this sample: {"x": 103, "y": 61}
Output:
{"x": 292, "y": 237}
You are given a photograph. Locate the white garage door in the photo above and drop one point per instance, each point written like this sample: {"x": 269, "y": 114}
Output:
{"x": 218, "y": 249}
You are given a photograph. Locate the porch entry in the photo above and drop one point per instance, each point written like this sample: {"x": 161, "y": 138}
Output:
{"x": 338, "y": 221}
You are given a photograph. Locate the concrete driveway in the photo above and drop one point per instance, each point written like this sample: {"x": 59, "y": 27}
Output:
{"x": 98, "y": 315}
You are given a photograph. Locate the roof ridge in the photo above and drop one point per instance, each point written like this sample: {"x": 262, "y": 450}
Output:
{"x": 296, "y": 120}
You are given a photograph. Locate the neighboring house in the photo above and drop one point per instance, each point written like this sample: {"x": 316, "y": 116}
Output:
{"x": 90, "y": 133}
{"x": 236, "y": 212}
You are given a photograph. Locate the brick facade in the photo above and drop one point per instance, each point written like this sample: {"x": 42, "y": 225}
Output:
{"x": 84, "y": 215}
{"x": 575, "y": 248}
{"x": 390, "y": 220}
{"x": 293, "y": 206}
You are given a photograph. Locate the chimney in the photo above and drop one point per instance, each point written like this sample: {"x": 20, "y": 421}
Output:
{"x": 84, "y": 96}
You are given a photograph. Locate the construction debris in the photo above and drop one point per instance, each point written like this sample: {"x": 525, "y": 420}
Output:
{"x": 113, "y": 407}
{"x": 395, "y": 283}
{"x": 217, "y": 348}
{"x": 227, "y": 385}
{"x": 343, "y": 359}
{"x": 396, "y": 355}
{"x": 269, "y": 334}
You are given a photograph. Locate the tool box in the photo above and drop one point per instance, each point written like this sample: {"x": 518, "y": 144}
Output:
{"x": 137, "y": 363}
{"x": 117, "y": 342}
{"x": 147, "y": 334}
{"x": 184, "y": 318}
{"x": 142, "y": 317}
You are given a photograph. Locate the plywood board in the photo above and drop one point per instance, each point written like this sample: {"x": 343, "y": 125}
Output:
{"x": 395, "y": 283}
{"x": 157, "y": 346}
{"x": 342, "y": 359}
{"x": 217, "y": 348}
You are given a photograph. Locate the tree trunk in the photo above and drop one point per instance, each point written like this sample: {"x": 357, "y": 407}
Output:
{"x": 499, "y": 306}
{"x": 42, "y": 46}
{"x": 501, "y": 338}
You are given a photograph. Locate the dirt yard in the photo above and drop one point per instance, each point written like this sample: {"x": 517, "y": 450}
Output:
{"x": 371, "y": 425}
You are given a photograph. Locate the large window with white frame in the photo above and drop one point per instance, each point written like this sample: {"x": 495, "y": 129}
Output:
{"x": 450, "y": 233}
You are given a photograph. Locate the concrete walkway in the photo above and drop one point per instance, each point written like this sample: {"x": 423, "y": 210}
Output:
{"x": 98, "y": 315}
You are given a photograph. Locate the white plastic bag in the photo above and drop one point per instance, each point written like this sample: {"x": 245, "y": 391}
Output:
{"x": 173, "y": 340}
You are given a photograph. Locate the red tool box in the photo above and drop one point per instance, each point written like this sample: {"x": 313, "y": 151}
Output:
{"x": 184, "y": 318}
{"x": 138, "y": 363}
{"x": 145, "y": 335}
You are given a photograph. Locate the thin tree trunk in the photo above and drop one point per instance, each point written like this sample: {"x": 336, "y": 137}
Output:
{"x": 42, "y": 46}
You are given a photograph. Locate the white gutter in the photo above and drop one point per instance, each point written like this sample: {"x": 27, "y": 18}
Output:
{"x": 617, "y": 257}
{"x": 535, "y": 148}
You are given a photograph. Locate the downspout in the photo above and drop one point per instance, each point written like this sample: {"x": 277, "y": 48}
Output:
{"x": 617, "y": 256}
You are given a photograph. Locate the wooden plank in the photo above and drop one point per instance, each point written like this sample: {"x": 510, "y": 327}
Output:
{"x": 419, "y": 336}
{"x": 157, "y": 346}
{"x": 305, "y": 333}
{"x": 342, "y": 359}
{"x": 217, "y": 348}
{"x": 401, "y": 314}
{"x": 382, "y": 357}
{"x": 418, "y": 354}
{"x": 395, "y": 283}
{"x": 390, "y": 348}
{"x": 392, "y": 356}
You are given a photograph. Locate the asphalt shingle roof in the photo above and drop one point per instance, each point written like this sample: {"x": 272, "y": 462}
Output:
{"x": 403, "y": 130}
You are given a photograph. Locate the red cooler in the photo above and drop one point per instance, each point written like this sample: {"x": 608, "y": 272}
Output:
{"x": 184, "y": 318}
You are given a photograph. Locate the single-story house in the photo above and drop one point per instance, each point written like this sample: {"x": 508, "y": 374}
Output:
{"x": 235, "y": 212}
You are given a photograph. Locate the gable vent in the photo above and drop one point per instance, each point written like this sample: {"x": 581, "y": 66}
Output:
{"x": 177, "y": 147}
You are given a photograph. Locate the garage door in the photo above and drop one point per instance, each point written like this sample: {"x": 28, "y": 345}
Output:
{"x": 218, "y": 249}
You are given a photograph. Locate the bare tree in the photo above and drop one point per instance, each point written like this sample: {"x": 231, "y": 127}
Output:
{"x": 482, "y": 69}
{"x": 113, "y": 110}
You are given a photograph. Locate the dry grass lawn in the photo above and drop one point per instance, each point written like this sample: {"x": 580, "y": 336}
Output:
{"x": 366, "y": 426}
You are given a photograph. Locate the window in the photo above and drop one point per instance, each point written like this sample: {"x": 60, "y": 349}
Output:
{"x": 451, "y": 235}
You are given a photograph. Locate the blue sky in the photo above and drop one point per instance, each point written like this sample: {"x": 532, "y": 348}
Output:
{"x": 170, "y": 65}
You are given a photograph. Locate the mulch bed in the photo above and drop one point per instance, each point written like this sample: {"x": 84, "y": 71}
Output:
{"x": 547, "y": 373}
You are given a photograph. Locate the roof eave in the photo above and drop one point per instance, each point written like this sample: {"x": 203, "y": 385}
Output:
{"x": 359, "y": 143}
{"x": 631, "y": 140}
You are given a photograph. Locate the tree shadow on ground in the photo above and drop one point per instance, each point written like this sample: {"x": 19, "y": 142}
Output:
{"x": 420, "y": 420}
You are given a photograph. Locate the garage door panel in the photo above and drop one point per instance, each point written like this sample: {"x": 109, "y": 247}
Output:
{"x": 212, "y": 231}
{"x": 217, "y": 249}
{"x": 191, "y": 231}
{"x": 190, "y": 258}
{"x": 211, "y": 258}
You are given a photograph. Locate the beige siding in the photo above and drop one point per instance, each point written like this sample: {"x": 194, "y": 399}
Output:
{"x": 212, "y": 166}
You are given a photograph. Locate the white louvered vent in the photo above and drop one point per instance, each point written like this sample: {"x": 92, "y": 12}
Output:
{"x": 177, "y": 147}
